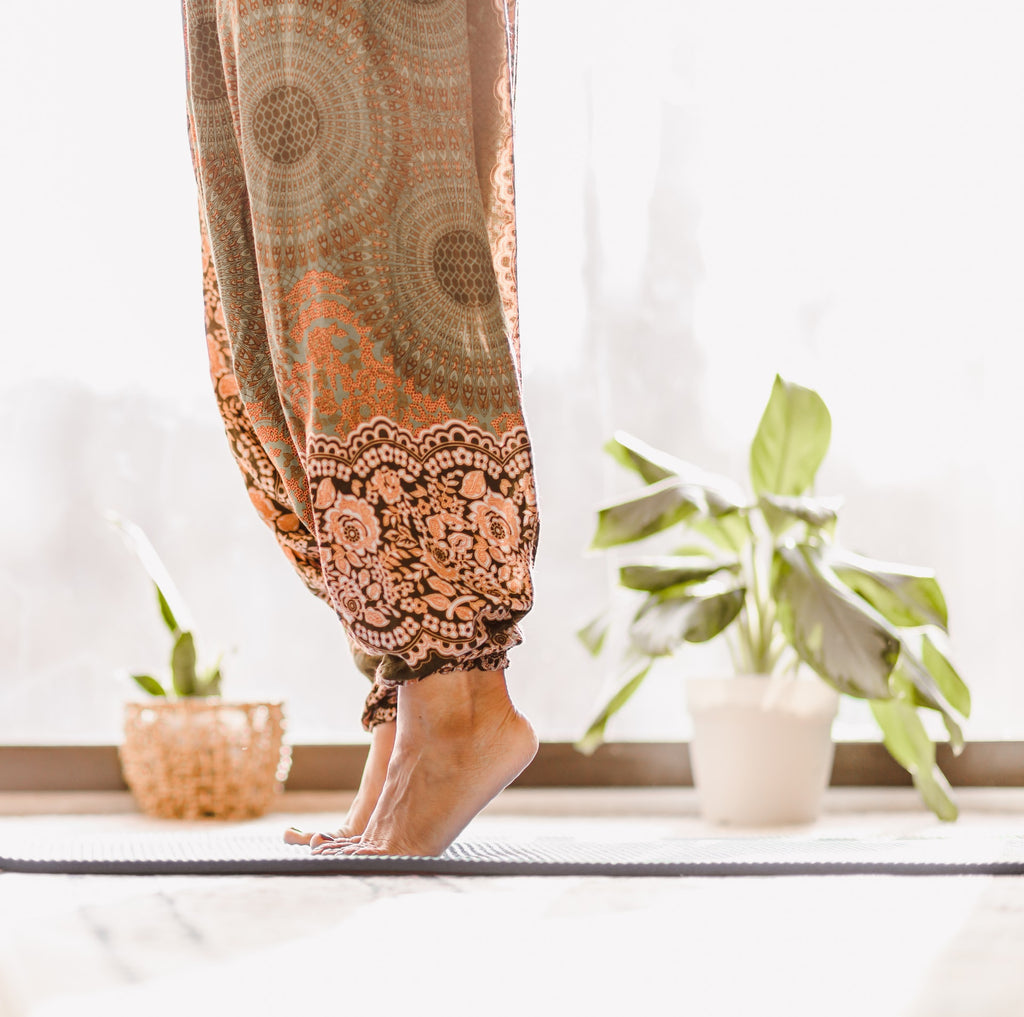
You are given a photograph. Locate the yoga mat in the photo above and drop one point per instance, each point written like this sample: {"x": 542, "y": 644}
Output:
{"x": 220, "y": 853}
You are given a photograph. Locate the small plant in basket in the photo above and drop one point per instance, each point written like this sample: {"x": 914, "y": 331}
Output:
{"x": 186, "y": 752}
{"x": 186, "y": 680}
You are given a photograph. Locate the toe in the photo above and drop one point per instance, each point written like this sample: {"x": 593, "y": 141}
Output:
{"x": 364, "y": 847}
{"x": 293, "y": 835}
{"x": 333, "y": 846}
{"x": 321, "y": 838}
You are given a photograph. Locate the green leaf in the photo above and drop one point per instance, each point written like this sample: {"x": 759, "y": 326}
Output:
{"x": 651, "y": 574}
{"x": 209, "y": 683}
{"x": 593, "y": 634}
{"x": 595, "y": 733}
{"x": 791, "y": 441}
{"x": 949, "y": 682}
{"x": 912, "y": 668}
{"x": 956, "y": 735}
{"x": 139, "y": 544}
{"x": 721, "y": 494}
{"x": 783, "y": 512}
{"x": 913, "y": 681}
{"x": 910, "y": 680}
{"x": 832, "y": 630}
{"x": 905, "y": 737}
{"x": 663, "y": 624}
{"x": 149, "y": 684}
{"x": 166, "y": 613}
{"x": 729, "y": 532}
{"x": 183, "y": 665}
{"x": 656, "y": 508}
{"x": 650, "y": 463}
{"x": 903, "y": 594}
{"x": 208, "y": 687}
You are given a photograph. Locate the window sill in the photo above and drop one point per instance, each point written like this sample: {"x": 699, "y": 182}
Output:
{"x": 95, "y": 768}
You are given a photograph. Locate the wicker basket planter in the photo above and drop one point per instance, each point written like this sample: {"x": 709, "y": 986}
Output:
{"x": 203, "y": 757}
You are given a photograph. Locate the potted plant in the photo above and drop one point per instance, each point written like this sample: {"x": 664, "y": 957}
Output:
{"x": 186, "y": 752}
{"x": 766, "y": 573}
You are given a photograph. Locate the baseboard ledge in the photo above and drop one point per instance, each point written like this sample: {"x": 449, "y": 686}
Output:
{"x": 558, "y": 764}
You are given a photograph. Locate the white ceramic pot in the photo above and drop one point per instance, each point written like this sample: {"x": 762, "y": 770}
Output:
{"x": 762, "y": 750}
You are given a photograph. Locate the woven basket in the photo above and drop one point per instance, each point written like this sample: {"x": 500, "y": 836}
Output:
{"x": 203, "y": 757}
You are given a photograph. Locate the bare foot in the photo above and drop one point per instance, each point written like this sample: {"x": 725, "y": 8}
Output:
{"x": 459, "y": 742}
{"x": 382, "y": 742}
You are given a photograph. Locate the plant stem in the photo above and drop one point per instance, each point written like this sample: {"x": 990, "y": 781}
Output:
{"x": 736, "y": 652}
{"x": 750, "y": 616}
{"x": 762, "y": 637}
{"x": 760, "y": 646}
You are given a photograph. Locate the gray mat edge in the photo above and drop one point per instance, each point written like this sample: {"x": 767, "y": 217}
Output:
{"x": 367, "y": 865}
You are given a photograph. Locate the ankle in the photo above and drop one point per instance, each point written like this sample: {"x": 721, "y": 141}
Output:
{"x": 456, "y": 704}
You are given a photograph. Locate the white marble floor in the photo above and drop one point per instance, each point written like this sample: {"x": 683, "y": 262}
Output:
{"x": 882, "y": 946}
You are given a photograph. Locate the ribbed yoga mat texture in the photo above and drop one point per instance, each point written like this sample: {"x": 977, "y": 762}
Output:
{"x": 220, "y": 853}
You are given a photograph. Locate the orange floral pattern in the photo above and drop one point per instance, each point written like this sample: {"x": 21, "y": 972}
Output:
{"x": 431, "y": 539}
{"x": 354, "y": 164}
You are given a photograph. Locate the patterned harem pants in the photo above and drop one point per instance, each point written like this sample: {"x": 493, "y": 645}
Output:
{"x": 354, "y": 166}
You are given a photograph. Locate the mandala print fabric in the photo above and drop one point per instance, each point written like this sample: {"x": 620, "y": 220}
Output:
{"x": 354, "y": 164}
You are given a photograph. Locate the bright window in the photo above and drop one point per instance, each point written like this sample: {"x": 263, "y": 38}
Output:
{"x": 709, "y": 193}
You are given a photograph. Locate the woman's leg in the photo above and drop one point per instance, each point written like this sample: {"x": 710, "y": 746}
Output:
{"x": 266, "y": 492}
{"x": 459, "y": 742}
{"x": 382, "y": 743}
{"x": 354, "y": 167}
